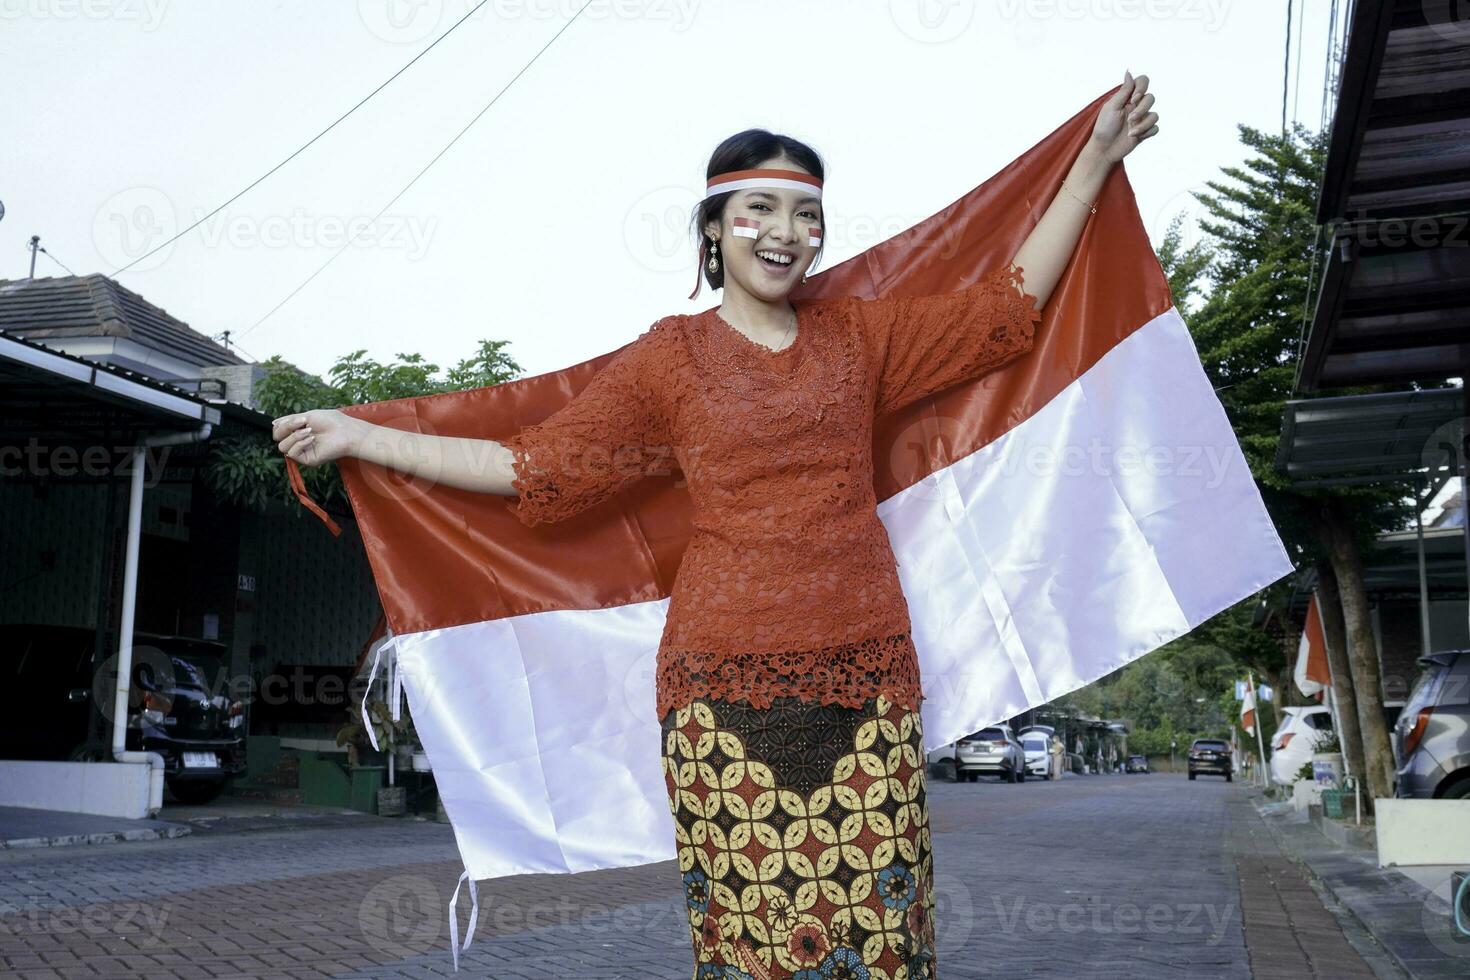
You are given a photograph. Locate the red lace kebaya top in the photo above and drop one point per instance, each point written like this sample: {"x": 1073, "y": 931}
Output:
{"x": 788, "y": 585}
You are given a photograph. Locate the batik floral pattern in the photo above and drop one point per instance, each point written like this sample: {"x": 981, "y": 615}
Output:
{"x": 815, "y": 865}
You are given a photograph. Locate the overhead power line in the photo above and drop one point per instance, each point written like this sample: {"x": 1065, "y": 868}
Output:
{"x": 301, "y": 149}
{"x": 415, "y": 179}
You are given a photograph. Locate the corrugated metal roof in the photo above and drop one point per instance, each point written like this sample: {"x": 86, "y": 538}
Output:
{"x": 1391, "y": 437}
{"x": 1392, "y": 305}
{"x": 96, "y": 306}
{"x": 1400, "y": 137}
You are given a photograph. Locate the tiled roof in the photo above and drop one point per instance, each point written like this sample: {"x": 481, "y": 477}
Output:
{"x": 96, "y": 306}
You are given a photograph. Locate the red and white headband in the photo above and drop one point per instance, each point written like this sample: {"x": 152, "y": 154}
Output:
{"x": 739, "y": 180}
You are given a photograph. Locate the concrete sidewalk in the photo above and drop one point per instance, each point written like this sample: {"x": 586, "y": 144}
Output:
{"x": 1409, "y": 922}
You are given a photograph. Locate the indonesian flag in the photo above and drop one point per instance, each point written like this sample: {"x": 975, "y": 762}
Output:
{"x": 1248, "y": 707}
{"x": 746, "y": 228}
{"x": 1312, "y": 673}
{"x": 1052, "y": 521}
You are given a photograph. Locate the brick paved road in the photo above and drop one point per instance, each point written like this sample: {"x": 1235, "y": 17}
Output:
{"x": 1094, "y": 877}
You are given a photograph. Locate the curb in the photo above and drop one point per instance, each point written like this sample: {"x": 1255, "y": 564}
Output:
{"x": 105, "y": 837}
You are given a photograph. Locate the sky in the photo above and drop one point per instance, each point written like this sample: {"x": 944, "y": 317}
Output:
{"x": 559, "y": 221}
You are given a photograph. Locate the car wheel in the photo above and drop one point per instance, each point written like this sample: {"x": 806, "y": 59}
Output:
{"x": 1191, "y": 775}
{"x": 1227, "y": 777}
{"x": 973, "y": 777}
{"x": 1011, "y": 776}
{"x": 1020, "y": 775}
{"x": 1457, "y": 791}
{"x": 196, "y": 791}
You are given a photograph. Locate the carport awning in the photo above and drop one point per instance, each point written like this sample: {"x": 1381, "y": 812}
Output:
{"x": 53, "y": 398}
{"x": 1400, "y": 137}
{"x": 1393, "y": 437}
{"x": 1394, "y": 305}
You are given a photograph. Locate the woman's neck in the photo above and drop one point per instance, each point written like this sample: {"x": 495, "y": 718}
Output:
{"x": 767, "y": 322}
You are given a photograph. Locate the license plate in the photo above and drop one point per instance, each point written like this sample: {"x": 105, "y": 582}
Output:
{"x": 201, "y": 760}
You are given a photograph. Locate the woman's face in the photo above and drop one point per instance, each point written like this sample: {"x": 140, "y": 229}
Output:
{"x": 783, "y": 220}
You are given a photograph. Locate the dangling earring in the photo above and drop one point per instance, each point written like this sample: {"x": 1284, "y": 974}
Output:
{"x": 713, "y": 265}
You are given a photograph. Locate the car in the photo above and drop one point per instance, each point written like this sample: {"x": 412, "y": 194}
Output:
{"x": 173, "y": 709}
{"x": 1210, "y": 756}
{"x": 1136, "y": 763}
{"x": 1036, "y": 747}
{"x": 1292, "y": 746}
{"x": 1433, "y": 730}
{"x": 991, "y": 751}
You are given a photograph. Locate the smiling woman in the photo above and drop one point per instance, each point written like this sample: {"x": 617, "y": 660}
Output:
{"x": 786, "y": 682}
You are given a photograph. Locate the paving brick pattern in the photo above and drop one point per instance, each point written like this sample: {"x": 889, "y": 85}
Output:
{"x": 1101, "y": 877}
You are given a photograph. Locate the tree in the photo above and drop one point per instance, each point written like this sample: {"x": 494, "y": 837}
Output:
{"x": 1265, "y": 250}
{"x": 250, "y": 472}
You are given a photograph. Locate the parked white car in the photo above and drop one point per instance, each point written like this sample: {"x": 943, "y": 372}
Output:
{"x": 1037, "y": 746}
{"x": 1295, "y": 739}
{"x": 992, "y": 751}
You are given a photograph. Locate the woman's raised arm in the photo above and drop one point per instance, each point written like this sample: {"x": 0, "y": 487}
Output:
{"x": 1124, "y": 121}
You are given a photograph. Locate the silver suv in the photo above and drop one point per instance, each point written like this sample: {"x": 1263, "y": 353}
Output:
{"x": 991, "y": 751}
{"x": 1434, "y": 730}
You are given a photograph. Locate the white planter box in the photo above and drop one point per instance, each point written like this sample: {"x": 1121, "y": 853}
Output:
{"x": 109, "y": 789}
{"x": 1305, "y": 792}
{"x": 1423, "y": 832}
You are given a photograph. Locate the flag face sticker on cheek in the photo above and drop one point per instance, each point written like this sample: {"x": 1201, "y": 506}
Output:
{"x": 747, "y": 228}
{"x": 814, "y": 236}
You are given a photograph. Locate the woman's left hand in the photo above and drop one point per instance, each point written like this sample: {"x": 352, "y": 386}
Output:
{"x": 1125, "y": 119}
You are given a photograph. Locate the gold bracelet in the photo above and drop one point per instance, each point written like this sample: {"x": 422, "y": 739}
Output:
{"x": 1090, "y": 207}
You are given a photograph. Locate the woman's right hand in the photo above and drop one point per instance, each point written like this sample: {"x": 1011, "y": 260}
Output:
{"x": 315, "y": 437}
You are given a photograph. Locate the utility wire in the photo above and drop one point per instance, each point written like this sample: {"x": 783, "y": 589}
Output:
{"x": 1296, "y": 85}
{"x": 415, "y": 179}
{"x": 53, "y": 258}
{"x": 1286, "y": 68}
{"x": 305, "y": 145}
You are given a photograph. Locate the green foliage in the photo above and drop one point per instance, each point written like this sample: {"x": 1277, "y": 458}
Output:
{"x": 251, "y": 473}
{"x": 388, "y": 732}
{"x": 1326, "y": 742}
{"x": 1267, "y": 254}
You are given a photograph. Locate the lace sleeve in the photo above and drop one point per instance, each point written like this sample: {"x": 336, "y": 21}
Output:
{"x": 609, "y": 435}
{"x": 925, "y": 344}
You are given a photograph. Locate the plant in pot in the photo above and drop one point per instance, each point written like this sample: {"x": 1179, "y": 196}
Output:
{"x": 1327, "y": 760}
{"x": 389, "y": 733}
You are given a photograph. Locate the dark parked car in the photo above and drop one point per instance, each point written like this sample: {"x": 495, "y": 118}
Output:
{"x": 1210, "y": 756}
{"x": 1434, "y": 730}
{"x": 1136, "y": 763}
{"x": 174, "y": 707}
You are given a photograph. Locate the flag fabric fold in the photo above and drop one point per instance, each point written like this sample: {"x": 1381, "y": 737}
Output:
{"x": 1311, "y": 673}
{"x": 1052, "y": 521}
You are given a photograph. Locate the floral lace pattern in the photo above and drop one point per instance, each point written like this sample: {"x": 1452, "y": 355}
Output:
{"x": 845, "y": 674}
{"x": 787, "y": 552}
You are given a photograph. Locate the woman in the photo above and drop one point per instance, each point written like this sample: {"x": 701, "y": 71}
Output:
{"x": 787, "y": 683}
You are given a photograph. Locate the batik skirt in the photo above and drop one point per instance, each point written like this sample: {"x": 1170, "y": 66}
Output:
{"x": 802, "y": 833}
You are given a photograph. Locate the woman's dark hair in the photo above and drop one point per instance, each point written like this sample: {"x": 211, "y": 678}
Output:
{"x": 744, "y": 151}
